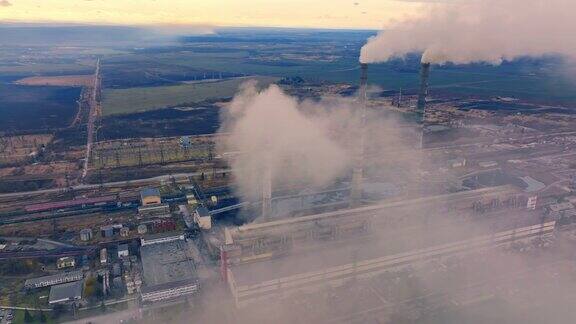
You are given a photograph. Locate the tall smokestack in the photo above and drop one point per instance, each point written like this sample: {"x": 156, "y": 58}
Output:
{"x": 422, "y": 95}
{"x": 267, "y": 191}
{"x": 358, "y": 170}
{"x": 423, "y": 92}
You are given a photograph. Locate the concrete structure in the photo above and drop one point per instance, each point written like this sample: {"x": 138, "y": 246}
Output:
{"x": 123, "y": 251}
{"x": 107, "y": 231}
{"x": 358, "y": 168}
{"x": 150, "y": 196}
{"x": 488, "y": 164}
{"x": 187, "y": 216}
{"x": 267, "y": 240}
{"x": 124, "y": 232}
{"x": 259, "y": 281}
{"x": 424, "y": 86}
{"x": 103, "y": 256}
{"x": 66, "y": 293}
{"x": 169, "y": 273}
{"x": 457, "y": 163}
{"x": 185, "y": 142}
{"x": 157, "y": 210}
{"x": 65, "y": 262}
{"x": 86, "y": 234}
{"x": 161, "y": 238}
{"x": 54, "y": 279}
{"x": 267, "y": 189}
{"x": 561, "y": 210}
{"x": 203, "y": 218}
{"x": 116, "y": 270}
{"x": 142, "y": 229}
{"x": 422, "y": 97}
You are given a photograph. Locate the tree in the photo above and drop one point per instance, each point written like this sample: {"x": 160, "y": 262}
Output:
{"x": 28, "y": 318}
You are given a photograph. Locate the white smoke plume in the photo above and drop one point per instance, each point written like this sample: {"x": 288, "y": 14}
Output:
{"x": 490, "y": 31}
{"x": 268, "y": 129}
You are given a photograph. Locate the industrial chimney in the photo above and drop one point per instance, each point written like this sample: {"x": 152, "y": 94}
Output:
{"x": 422, "y": 94}
{"x": 267, "y": 190}
{"x": 358, "y": 169}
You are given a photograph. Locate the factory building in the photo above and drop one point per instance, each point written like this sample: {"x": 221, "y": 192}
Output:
{"x": 169, "y": 273}
{"x": 85, "y": 234}
{"x": 260, "y": 281}
{"x": 66, "y": 293}
{"x": 54, "y": 279}
{"x": 262, "y": 260}
{"x": 203, "y": 218}
{"x": 267, "y": 240}
{"x": 107, "y": 231}
{"x": 150, "y": 196}
{"x": 151, "y": 204}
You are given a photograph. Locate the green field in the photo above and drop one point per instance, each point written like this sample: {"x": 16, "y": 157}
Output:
{"x": 125, "y": 101}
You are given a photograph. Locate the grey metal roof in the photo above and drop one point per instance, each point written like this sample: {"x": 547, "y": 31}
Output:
{"x": 203, "y": 211}
{"x": 66, "y": 292}
{"x": 58, "y": 278}
{"x": 166, "y": 263}
{"x": 150, "y": 192}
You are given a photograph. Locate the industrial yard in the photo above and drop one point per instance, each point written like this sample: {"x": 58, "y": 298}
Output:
{"x": 256, "y": 175}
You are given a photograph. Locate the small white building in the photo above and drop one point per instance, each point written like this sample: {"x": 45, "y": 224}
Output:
{"x": 457, "y": 163}
{"x": 488, "y": 164}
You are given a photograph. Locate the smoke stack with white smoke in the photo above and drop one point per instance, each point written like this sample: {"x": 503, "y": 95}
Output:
{"x": 490, "y": 31}
{"x": 423, "y": 90}
{"x": 358, "y": 170}
{"x": 422, "y": 96}
{"x": 268, "y": 137}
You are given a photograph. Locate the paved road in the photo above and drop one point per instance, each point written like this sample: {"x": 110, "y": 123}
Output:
{"x": 112, "y": 318}
{"x": 92, "y": 115}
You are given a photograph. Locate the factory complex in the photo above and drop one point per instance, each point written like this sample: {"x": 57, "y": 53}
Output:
{"x": 428, "y": 227}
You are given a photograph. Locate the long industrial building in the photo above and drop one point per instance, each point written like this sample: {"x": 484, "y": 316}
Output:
{"x": 52, "y": 280}
{"x": 169, "y": 273}
{"x": 264, "y": 260}
{"x": 265, "y": 240}
{"x": 253, "y": 282}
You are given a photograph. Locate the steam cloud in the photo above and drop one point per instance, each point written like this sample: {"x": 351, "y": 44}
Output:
{"x": 268, "y": 129}
{"x": 489, "y": 31}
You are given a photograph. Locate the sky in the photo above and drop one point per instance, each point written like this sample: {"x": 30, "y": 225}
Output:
{"x": 359, "y": 14}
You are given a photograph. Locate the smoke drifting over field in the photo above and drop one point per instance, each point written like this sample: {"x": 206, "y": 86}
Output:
{"x": 490, "y": 31}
